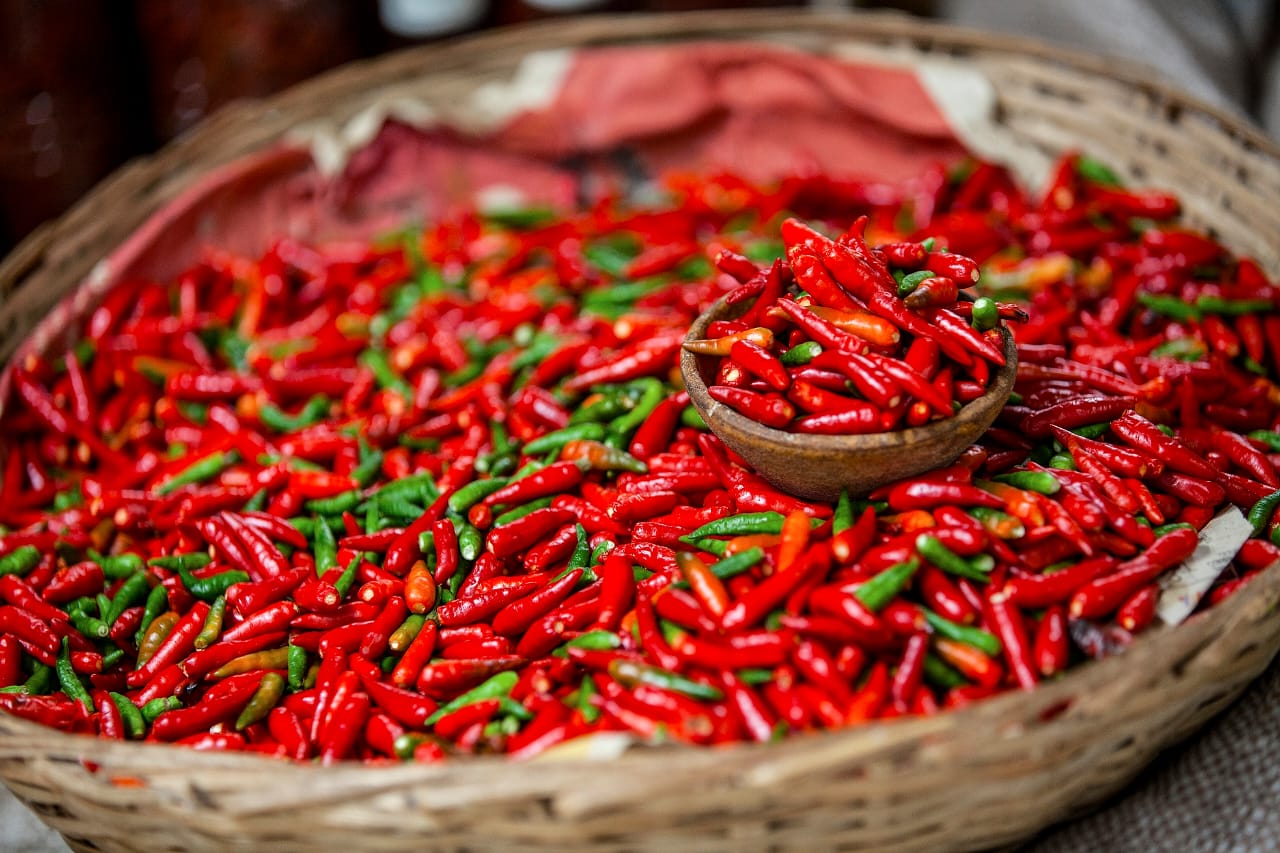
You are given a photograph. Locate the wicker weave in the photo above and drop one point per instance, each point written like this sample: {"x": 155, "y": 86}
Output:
{"x": 987, "y": 775}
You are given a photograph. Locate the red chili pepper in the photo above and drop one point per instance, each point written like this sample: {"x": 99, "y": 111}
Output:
{"x": 551, "y": 480}
{"x": 1051, "y": 649}
{"x": 450, "y": 677}
{"x": 179, "y": 644}
{"x": 220, "y": 703}
{"x": 1102, "y": 596}
{"x": 509, "y": 539}
{"x": 771, "y": 410}
{"x": 198, "y": 664}
{"x": 1139, "y": 609}
{"x": 1139, "y": 432}
{"x": 75, "y": 581}
{"x": 1006, "y": 623}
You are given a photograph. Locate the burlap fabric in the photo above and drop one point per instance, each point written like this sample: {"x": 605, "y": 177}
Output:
{"x": 1219, "y": 792}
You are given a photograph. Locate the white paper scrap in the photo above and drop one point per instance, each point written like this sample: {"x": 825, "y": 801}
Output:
{"x": 1181, "y": 590}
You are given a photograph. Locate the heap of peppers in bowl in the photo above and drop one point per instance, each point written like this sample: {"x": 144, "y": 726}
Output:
{"x": 442, "y": 495}
{"x": 838, "y": 339}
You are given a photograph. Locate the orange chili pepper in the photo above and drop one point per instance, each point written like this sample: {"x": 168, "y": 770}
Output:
{"x": 708, "y": 589}
{"x": 720, "y": 346}
{"x": 795, "y": 536}
{"x": 419, "y": 588}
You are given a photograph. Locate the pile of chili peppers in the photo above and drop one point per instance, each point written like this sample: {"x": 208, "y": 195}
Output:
{"x": 868, "y": 326}
{"x": 442, "y": 495}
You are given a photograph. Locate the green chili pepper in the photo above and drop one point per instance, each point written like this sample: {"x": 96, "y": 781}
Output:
{"x": 280, "y": 421}
{"x": 878, "y": 591}
{"x": 257, "y": 502}
{"x": 737, "y": 564}
{"x": 1062, "y": 461}
{"x": 157, "y": 603}
{"x": 632, "y": 673}
{"x": 508, "y": 707}
{"x": 297, "y": 667}
{"x": 135, "y": 727}
{"x": 938, "y": 673}
{"x": 112, "y": 656}
{"x": 755, "y": 676}
{"x": 90, "y": 626}
{"x": 176, "y": 562}
{"x": 986, "y": 313}
{"x": 20, "y": 560}
{"x": 595, "y": 640}
{"x": 233, "y": 348}
{"x": 336, "y": 505}
{"x": 976, "y": 637}
{"x": 911, "y": 281}
{"x": 1034, "y": 481}
{"x": 801, "y": 354}
{"x": 209, "y": 588}
{"x": 692, "y": 418}
{"x": 134, "y": 589}
{"x": 470, "y": 540}
{"x": 598, "y": 552}
{"x": 1183, "y": 349}
{"x": 368, "y": 469}
{"x": 40, "y": 681}
{"x": 104, "y": 605}
{"x": 607, "y": 258}
{"x": 116, "y": 566}
{"x": 1092, "y": 430}
{"x": 1232, "y": 307}
{"x": 198, "y": 471}
{"x": 932, "y": 549}
{"x": 745, "y": 523}
{"x": 385, "y": 375}
{"x": 607, "y": 407}
{"x": 1262, "y": 511}
{"x": 581, "y": 556}
{"x": 711, "y": 546}
{"x": 521, "y": 511}
{"x": 325, "y": 549}
{"x": 83, "y": 606}
{"x": 474, "y": 492}
{"x": 494, "y": 688}
{"x": 538, "y": 349}
{"x": 415, "y": 487}
{"x": 212, "y": 623}
{"x": 68, "y": 499}
{"x": 69, "y": 681}
{"x": 266, "y": 697}
{"x": 728, "y": 567}
{"x": 1169, "y": 306}
{"x": 348, "y": 576}
{"x": 590, "y": 712}
{"x": 156, "y": 707}
{"x": 1095, "y": 171}
{"x": 1169, "y": 528}
{"x": 652, "y": 392}
{"x": 1267, "y": 437}
{"x": 842, "y": 519}
{"x": 399, "y": 508}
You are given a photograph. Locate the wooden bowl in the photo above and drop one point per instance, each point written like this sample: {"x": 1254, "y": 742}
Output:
{"x": 819, "y": 467}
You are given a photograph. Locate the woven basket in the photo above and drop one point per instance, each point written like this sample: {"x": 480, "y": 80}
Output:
{"x": 987, "y": 775}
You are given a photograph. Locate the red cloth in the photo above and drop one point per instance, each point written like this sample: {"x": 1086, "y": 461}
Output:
{"x": 762, "y": 112}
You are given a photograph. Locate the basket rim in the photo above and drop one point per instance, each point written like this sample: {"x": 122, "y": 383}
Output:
{"x": 1173, "y": 644}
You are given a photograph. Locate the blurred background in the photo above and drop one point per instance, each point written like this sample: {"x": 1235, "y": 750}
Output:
{"x": 86, "y": 85}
